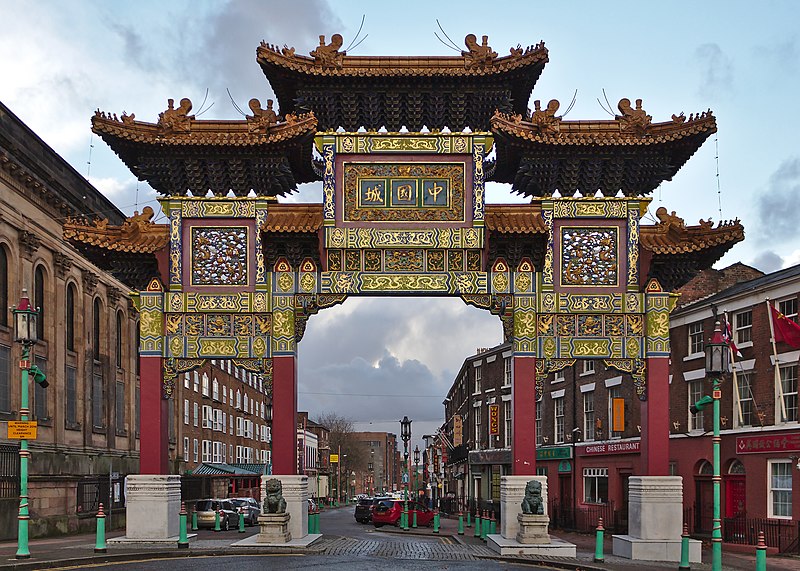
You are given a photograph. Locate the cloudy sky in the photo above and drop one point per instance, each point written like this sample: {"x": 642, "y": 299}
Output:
{"x": 378, "y": 359}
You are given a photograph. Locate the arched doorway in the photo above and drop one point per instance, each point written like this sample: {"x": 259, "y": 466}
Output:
{"x": 735, "y": 490}
{"x": 704, "y": 498}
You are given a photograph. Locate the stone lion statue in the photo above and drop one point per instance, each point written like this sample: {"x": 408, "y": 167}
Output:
{"x": 532, "y": 502}
{"x": 274, "y": 502}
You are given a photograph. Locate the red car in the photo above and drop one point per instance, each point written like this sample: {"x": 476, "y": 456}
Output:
{"x": 389, "y": 511}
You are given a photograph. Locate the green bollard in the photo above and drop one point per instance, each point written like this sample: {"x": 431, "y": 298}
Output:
{"x": 241, "y": 522}
{"x": 414, "y": 520}
{"x": 436, "y": 521}
{"x": 492, "y": 525}
{"x": 460, "y": 523}
{"x": 598, "y": 542}
{"x": 183, "y": 539}
{"x": 469, "y": 518}
{"x": 761, "y": 553}
{"x": 316, "y": 522}
{"x": 477, "y": 524}
{"x": 216, "y": 521}
{"x": 684, "y": 565}
{"x": 194, "y": 520}
{"x": 484, "y": 524}
{"x": 100, "y": 543}
{"x": 310, "y": 523}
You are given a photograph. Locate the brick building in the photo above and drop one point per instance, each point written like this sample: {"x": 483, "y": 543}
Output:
{"x": 382, "y": 472}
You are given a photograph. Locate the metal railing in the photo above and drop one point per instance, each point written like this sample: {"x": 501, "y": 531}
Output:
{"x": 9, "y": 471}
{"x": 584, "y": 518}
{"x": 782, "y": 534}
{"x": 91, "y": 492}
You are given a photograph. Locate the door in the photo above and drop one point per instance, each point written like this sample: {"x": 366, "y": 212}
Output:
{"x": 565, "y": 499}
{"x": 735, "y": 497}
{"x": 704, "y": 505}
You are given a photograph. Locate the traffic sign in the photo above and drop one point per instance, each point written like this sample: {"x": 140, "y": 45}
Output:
{"x": 22, "y": 429}
{"x": 334, "y": 458}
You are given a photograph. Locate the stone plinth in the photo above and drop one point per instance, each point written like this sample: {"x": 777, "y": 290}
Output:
{"x": 152, "y": 507}
{"x": 274, "y": 528}
{"x": 295, "y": 492}
{"x": 655, "y": 521}
{"x": 512, "y": 490}
{"x": 533, "y": 529}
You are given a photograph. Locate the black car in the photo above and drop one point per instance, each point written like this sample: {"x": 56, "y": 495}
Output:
{"x": 363, "y": 511}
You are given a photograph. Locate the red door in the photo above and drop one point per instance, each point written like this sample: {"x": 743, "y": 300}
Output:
{"x": 735, "y": 496}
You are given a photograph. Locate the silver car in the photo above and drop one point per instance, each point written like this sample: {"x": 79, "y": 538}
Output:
{"x": 249, "y": 507}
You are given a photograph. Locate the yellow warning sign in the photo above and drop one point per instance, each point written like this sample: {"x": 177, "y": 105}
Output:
{"x": 22, "y": 429}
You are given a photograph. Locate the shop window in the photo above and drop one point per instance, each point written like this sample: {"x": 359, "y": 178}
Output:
{"x": 744, "y": 327}
{"x": 695, "y": 338}
{"x": 779, "y": 489}
{"x": 595, "y": 485}
{"x": 744, "y": 408}
{"x": 787, "y": 394}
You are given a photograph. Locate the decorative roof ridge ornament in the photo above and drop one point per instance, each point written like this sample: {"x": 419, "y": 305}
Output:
{"x": 547, "y": 121}
{"x": 480, "y": 55}
{"x": 262, "y": 119}
{"x": 177, "y": 120}
{"x": 635, "y": 120}
{"x": 328, "y": 55}
{"x": 668, "y": 221}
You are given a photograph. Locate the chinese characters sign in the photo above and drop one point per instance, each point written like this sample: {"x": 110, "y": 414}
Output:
{"x": 761, "y": 444}
{"x": 494, "y": 419}
{"x": 458, "y": 429}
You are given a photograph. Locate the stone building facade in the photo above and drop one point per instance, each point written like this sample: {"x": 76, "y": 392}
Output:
{"x": 88, "y": 416}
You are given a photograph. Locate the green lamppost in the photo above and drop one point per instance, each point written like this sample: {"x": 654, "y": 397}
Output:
{"x": 405, "y": 434}
{"x": 25, "y": 333}
{"x": 717, "y": 363}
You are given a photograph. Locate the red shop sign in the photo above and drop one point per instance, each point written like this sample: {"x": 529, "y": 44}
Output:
{"x": 768, "y": 443}
{"x": 612, "y": 448}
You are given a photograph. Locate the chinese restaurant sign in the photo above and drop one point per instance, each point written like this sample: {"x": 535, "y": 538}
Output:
{"x": 612, "y": 448}
{"x": 760, "y": 444}
{"x": 457, "y": 430}
{"x": 494, "y": 419}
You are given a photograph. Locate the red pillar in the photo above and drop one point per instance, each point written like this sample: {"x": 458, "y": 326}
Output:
{"x": 523, "y": 417}
{"x": 655, "y": 419}
{"x": 153, "y": 417}
{"x": 284, "y": 415}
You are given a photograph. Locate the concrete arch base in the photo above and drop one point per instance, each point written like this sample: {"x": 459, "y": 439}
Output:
{"x": 655, "y": 521}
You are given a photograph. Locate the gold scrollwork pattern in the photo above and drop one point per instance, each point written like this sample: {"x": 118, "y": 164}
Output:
{"x": 173, "y": 368}
{"x": 261, "y": 270}
{"x": 478, "y": 183}
{"x": 175, "y": 249}
{"x": 328, "y": 182}
{"x": 633, "y": 248}
{"x": 637, "y": 368}
{"x": 547, "y": 267}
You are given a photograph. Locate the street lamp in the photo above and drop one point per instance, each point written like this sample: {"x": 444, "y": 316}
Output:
{"x": 405, "y": 434}
{"x": 25, "y": 318}
{"x": 416, "y": 468}
{"x": 717, "y": 363}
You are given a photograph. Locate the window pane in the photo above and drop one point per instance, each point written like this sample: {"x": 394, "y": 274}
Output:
{"x": 5, "y": 378}
{"x": 39, "y": 301}
{"x": 72, "y": 397}
{"x": 4, "y": 315}
{"x": 119, "y": 402}
{"x": 70, "y": 325}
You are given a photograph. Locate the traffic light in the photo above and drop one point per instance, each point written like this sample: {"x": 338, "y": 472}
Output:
{"x": 701, "y": 404}
{"x": 38, "y": 376}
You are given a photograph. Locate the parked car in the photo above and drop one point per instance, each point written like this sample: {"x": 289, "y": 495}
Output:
{"x": 388, "y": 511}
{"x": 312, "y": 505}
{"x": 364, "y": 507}
{"x": 249, "y": 507}
{"x": 206, "y": 510}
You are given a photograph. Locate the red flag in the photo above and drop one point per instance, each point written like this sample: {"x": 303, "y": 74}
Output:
{"x": 785, "y": 329}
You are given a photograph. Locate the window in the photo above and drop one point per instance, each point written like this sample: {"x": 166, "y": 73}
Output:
{"x": 38, "y": 300}
{"x": 185, "y": 448}
{"x": 588, "y": 416}
{"x": 559, "y": 376}
{"x": 186, "y": 412}
{"x": 195, "y": 450}
{"x": 695, "y": 338}
{"x": 558, "y": 413}
{"x": 137, "y": 406}
{"x": 39, "y": 393}
{"x": 696, "y": 421}
{"x": 743, "y": 411}
{"x": 238, "y": 399}
{"x": 97, "y": 310}
{"x": 477, "y": 411}
{"x": 205, "y": 385}
{"x": 70, "y": 324}
{"x": 477, "y": 380}
{"x": 196, "y": 381}
{"x": 71, "y": 412}
{"x": 186, "y": 380}
{"x": 507, "y": 371}
{"x": 246, "y": 403}
{"x": 787, "y": 395}
{"x": 119, "y": 340}
{"x": 588, "y": 367}
{"x": 507, "y": 420}
{"x": 224, "y": 395}
{"x": 780, "y": 489}
{"x": 595, "y": 485}
{"x": 119, "y": 407}
{"x": 206, "y": 451}
{"x": 215, "y": 389}
{"x": 5, "y": 377}
{"x": 744, "y": 327}
{"x": 207, "y": 421}
{"x": 98, "y": 400}
{"x": 614, "y": 393}
{"x": 196, "y": 414}
{"x": 4, "y": 286}
{"x": 217, "y": 452}
{"x": 788, "y": 307}
{"x": 539, "y": 439}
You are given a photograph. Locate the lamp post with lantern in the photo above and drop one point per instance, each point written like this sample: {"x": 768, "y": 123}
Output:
{"x": 717, "y": 364}
{"x": 25, "y": 333}
{"x": 405, "y": 434}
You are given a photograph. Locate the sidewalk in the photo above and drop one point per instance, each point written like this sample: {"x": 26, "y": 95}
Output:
{"x": 79, "y": 550}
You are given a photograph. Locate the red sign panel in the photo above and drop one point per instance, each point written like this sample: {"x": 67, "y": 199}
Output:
{"x": 612, "y": 448}
{"x": 766, "y": 443}
{"x": 494, "y": 419}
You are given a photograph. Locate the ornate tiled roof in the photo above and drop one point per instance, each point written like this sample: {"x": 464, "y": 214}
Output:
{"x": 544, "y": 153}
{"x": 136, "y": 235}
{"x": 515, "y": 219}
{"x": 181, "y": 154}
{"x": 403, "y": 91}
{"x": 293, "y": 218}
